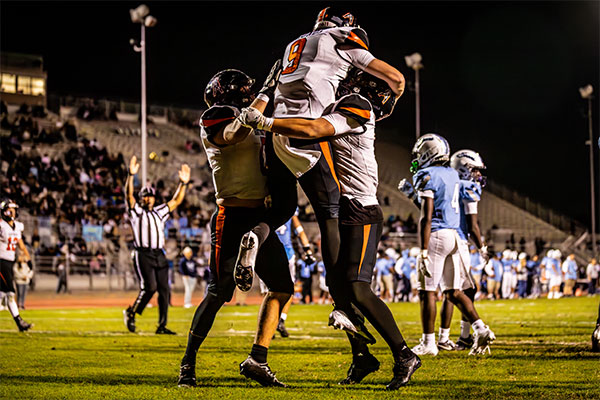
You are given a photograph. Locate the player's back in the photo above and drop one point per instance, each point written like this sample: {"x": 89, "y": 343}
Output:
{"x": 470, "y": 192}
{"x": 313, "y": 66}
{"x": 443, "y": 184}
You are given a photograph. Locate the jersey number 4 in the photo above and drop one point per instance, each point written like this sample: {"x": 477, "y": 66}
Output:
{"x": 294, "y": 56}
{"x": 455, "y": 205}
{"x": 12, "y": 244}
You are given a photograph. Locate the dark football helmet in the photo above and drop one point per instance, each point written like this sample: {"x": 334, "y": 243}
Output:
{"x": 376, "y": 90}
{"x": 330, "y": 17}
{"x": 5, "y": 205}
{"x": 229, "y": 87}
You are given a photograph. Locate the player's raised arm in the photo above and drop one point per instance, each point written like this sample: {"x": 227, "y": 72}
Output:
{"x": 134, "y": 166}
{"x": 391, "y": 75}
{"x": 184, "y": 179}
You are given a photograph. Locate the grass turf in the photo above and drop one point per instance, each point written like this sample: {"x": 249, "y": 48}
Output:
{"x": 542, "y": 352}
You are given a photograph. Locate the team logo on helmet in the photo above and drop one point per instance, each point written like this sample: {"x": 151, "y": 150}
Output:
{"x": 330, "y": 18}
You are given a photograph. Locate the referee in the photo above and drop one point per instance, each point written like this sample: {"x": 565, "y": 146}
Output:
{"x": 150, "y": 264}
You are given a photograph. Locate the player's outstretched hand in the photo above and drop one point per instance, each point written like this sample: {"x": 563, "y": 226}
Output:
{"x": 270, "y": 84}
{"x": 134, "y": 166}
{"x": 423, "y": 264}
{"x": 184, "y": 174}
{"x": 252, "y": 118}
{"x": 407, "y": 188}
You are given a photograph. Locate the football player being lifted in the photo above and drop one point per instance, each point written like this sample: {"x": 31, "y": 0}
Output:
{"x": 349, "y": 125}
{"x": 11, "y": 237}
{"x": 443, "y": 260}
{"x": 313, "y": 65}
{"x": 233, "y": 152}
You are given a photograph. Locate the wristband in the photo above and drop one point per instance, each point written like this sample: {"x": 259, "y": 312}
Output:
{"x": 423, "y": 253}
{"x": 263, "y": 97}
{"x": 267, "y": 124}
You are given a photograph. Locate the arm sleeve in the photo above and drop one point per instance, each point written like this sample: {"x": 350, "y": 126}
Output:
{"x": 136, "y": 210}
{"x": 162, "y": 211}
{"x": 359, "y": 57}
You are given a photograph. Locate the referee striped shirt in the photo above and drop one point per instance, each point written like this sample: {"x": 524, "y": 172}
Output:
{"x": 149, "y": 226}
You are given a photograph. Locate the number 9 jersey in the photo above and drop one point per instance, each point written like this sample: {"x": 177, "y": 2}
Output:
{"x": 9, "y": 239}
{"x": 442, "y": 184}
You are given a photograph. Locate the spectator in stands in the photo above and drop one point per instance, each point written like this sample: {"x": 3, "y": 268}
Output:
{"x": 61, "y": 272}
{"x": 187, "y": 269}
{"x": 592, "y": 272}
{"x": 570, "y": 271}
{"x": 22, "y": 275}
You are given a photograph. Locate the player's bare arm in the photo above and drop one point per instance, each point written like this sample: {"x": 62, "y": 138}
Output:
{"x": 23, "y": 250}
{"x": 425, "y": 222}
{"x": 391, "y": 75}
{"x": 134, "y": 167}
{"x": 184, "y": 179}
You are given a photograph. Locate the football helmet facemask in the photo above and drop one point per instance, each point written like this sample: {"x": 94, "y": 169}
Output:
{"x": 229, "y": 87}
{"x": 331, "y": 18}
{"x": 5, "y": 205}
{"x": 376, "y": 90}
{"x": 429, "y": 148}
{"x": 469, "y": 166}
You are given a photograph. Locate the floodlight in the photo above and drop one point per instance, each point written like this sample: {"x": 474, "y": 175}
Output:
{"x": 414, "y": 60}
{"x": 150, "y": 21}
{"x": 586, "y": 91}
{"x": 138, "y": 14}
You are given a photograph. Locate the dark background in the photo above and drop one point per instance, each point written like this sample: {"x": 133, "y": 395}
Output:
{"x": 501, "y": 78}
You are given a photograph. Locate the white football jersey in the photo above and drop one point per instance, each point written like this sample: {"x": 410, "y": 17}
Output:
{"x": 313, "y": 66}
{"x": 9, "y": 239}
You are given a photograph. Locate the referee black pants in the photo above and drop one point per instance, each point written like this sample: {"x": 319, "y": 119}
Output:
{"x": 152, "y": 271}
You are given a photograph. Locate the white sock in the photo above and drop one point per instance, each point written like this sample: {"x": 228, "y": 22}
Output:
{"x": 429, "y": 339}
{"x": 283, "y": 316}
{"x": 478, "y": 326}
{"x": 550, "y": 295}
{"x": 444, "y": 335}
{"x": 465, "y": 329}
{"x": 12, "y": 307}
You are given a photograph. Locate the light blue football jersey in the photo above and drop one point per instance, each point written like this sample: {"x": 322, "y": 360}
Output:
{"x": 445, "y": 185}
{"x": 470, "y": 192}
{"x": 284, "y": 232}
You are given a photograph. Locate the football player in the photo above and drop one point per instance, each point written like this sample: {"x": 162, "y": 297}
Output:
{"x": 233, "y": 152}
{"x": 596, "y": 334}
{"x": 313, "y": 66}
{"x": 349, "y": 123}
{"x": 11, "y": 237}
{"x": 442, "y": 259}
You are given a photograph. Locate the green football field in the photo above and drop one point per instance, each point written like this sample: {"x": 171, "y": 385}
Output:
{"x": 542, "y": 352}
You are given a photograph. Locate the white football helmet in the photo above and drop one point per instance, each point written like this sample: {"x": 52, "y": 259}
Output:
{"x": 557, "y": 254}
{"x": 428, "y": 149}
{"x": 522, "y": 255}
{"x": 464, "y": 162}
{"x": 550, "y": 253}
{"x": 507, "y": 254}
{"x": 414, "y": 252}
{"x": 514, "y": 255}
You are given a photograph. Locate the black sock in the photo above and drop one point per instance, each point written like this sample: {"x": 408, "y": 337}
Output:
{"x": 259, "y": 353}
{"x": 359, "y": 347}
{"x": 193, "y": 345}
{"x": 261, "y": 230}
{"x": 404, "y": 353}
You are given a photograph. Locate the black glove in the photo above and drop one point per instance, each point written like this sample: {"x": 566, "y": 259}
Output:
{"x": 270, "y": 84}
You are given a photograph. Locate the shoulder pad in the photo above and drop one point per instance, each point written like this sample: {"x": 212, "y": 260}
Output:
{"x": 19, "y": 226}
{"x": 470, "y": 191}
{"x": 216, "y": 118}
{"x": 421, "y": 180}
{"x": 354, "y": 37}
{"x": 356, "y": 107}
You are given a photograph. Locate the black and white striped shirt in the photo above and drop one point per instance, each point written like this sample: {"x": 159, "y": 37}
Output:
{"x": 149, "y": 226}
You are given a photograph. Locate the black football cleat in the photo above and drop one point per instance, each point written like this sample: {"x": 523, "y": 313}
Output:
{"x": 596, "y": 339}
{"x": 361, "y": 366}
{"x": 129, "y": 319}
{"x": 187, "y": 375}
{"x": 260, "y": 373}
{"x": 23, "y": 326}
{"x": 163, "y": 330}
{"x": 403, "y": 370}
{"x": 281, "y": 329}
{"x": 464, "y": 343}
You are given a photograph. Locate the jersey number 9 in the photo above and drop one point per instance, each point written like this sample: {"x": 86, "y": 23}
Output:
{"x": 294, "y": 57}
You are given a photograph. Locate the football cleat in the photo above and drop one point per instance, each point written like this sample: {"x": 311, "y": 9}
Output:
{"x": 243, "y": 272}
{"x": 464, "y": 343}
{"x": 361, "y": 366}
{"x": 339, "y": 320}
{"x": 403, "y": 370}
{"x": 281, "y": 328}
{"x": 187, "y": 375}
{"x": 596, "y": 339}
{"x": 260, "y": 373}
{"x": 482, "y": 341}
{"x": 422, "y": 349}
{"x": 163, "y": 330}
{"x": 448, "y": 345}
{"x": 129, "y": 319}
{"x": 23, "y": 326}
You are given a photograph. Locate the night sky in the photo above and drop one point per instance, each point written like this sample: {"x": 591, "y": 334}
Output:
{"x": 501, "y": 78}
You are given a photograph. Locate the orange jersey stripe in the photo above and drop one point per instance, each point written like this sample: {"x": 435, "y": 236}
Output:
{"x": 354, "y": 37}
{"x": 219, "y": 235}
{"x": 358, "y": 111}
{"x": 366, "y": 232}
{"x": 211, "y": 122}
{"x": 329, "y": 159}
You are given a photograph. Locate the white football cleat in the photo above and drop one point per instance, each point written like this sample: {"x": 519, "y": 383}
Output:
{"x": 243, "y": 272}
{"x": 448, "y": 345}
{"x": 339, "y": 320}
{"x": 422, "y": 349}
{"x": 482, "y": 341}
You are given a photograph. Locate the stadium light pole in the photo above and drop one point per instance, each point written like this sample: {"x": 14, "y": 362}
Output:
{"x": 414, "y": 61}
{"x": 141, "y": 15}
{"x": 586, "y": 94}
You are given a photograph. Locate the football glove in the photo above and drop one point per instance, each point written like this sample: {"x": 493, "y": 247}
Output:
{"x": 407, "y": 188}
{"x": 483, "y": 252}
{"x": 270, "y": 84}
{"x": 423, "y": 264}
{"x": 252, "y": 118}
